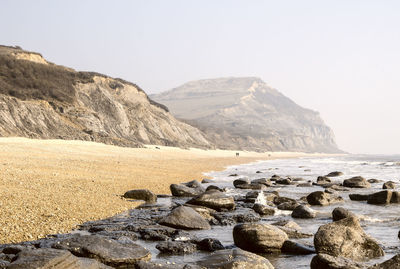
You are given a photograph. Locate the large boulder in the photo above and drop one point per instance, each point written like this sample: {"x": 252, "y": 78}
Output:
{"x": 234, "y": 259}
{"x": 393, "y": 263}
{"x": 346, "y": 238}
{"x": 188, "y": 189}
{"x": 303, "y": 212}
{"x": 325, "y": 261}
{"x": 185, "y": 218}
{"x": 259, "y": 238}
{"x": 104, "y": 249}
{"x": 380, "y": 198}
{"x": 356, "y": 182}
{"x": 47, "y": 258}
{"x": 323, "y": 198}
{"x": 214, "y": 199}
{"x": 144, "y": 195}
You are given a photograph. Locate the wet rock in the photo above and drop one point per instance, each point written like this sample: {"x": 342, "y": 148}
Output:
{"x": 307, "y": 184}
{"x": 205, "y": 212}
{"x": 157, "y": 233}
{"x": 338, "y": 188}
{"x": 323, "y": 180}
{"x": 52, "y": 258}
{"x": 325, "y": 261}
{"x": 241, "y": 215}
{"x": 374, "y": 180}
{"x": 393, "y": 263}
{"x": 287, "y": 224}
{"x": 380, "y": 198}
{"x": 186, "y": 218}
{"x": 213, "y": 187}
{"x": 358, "y": 197}
{"x": 295, "y": 233}
{"x": 275, "y": 178}
{"x": 15, "y": 249}
{"x": 389, "y": 185}
{"x": 296, "y": 248}
{"x": 395, "y": 197}
{"x": 251, "y": 186}
{"x": 346, "y": 238}
{"x": 303, "y": 212}
{"x": 144, "y": 195}
{"x": 341, "y": 213}
{"x": 280, "y": 199}
{"x": 356, "y": 182}
{"x": 288, "y": 206}
{"x": 206, "y": 181}
{"x": 284, "y": 181}
{"x": 241, "y": 181}
{"x": 176, "y": 247}
{"x": 260, "y": 238}
{"x": 215, "y": 200}
{"x": 104, "y": 249}
{"x": 117, "y": 234}
{"x": 181, "y": 190}
{"x": 234, "y": 259}
{"x": 263, "y": 181}
{"x": 264, "y": 210}
{"x": 334, "y": 174}
{"x": 209, "y": 244}
{"x": 252, "y": 196}
{"x": 323, "y": 198}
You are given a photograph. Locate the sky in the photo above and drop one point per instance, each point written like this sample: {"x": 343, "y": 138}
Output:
{"x": 338, "y": 57}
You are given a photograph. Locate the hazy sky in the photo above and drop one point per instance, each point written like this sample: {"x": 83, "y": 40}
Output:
{"x": 341, "y": 58}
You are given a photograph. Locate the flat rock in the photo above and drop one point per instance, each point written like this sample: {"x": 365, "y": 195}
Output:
{"x": 325, "y": 261}
{"x": 346, "y": 238}
{"x": 47, "y": 258}
{"x": 103, "y": 249}
{"x": 259, "y": 238}
{"x": 215, "y": 200}
{"x": 335, "y": 174}
{"x": 208, "y": 244}
{"x": 234, "y": 259}
{"x": 186, "y": 218}
{"x": 144, "y": 195}
{"x": 176, "y": 247}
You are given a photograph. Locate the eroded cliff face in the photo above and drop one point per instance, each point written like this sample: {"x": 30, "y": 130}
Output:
{"x": 245, "y": 113}
{"x": 42, "y": 100}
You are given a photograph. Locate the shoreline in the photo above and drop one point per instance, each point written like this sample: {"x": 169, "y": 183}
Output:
{"x": 51, "y": 186}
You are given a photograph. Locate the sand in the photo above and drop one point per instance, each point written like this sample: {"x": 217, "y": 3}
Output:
{"x": 51, "y": 186}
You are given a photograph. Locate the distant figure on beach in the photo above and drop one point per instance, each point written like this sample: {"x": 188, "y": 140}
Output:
{"x": 237, "y": 154}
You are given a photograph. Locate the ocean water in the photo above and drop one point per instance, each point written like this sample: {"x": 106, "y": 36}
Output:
{"x": 381, "y": 222}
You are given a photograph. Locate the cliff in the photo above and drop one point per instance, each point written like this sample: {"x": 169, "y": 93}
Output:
{"x": 246, "y": 113}
{"x": 39, "y": 99}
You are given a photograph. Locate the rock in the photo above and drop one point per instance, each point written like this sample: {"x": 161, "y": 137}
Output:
{"x": 15, "y": 249}
{"x": 47, "y": 258}
{"x": 323, "y": 198}
{"x": 234, "y": 259}
{"x": 346, "y": 238}
{"x": 233, "y": 175}
{"x": 145, "y": 195}
{"x": 294, "y": 233}
{"x": 206, "y": 181}
{"x": 263, "y": 181}
{"x": 209, "y": 244}
{"x": 296, "y": 248}
{"x": 215, "y": 200}
{"x": 358, "y": 197}
{"x": 280, "y": 199}
{"x": 380, "y": 198}
{"x": 275, "y": 178}
{"x": 288, "y": 206}
{"x": 303, "y": 212}
{"x": 251, "y": 186}
{"x": 260, "y": 238}
{"x": 105, "y": 250}
{"x": 157, "y": 232}
{"x": 258, "y": 172}
{"x": 395, "y": 197}
{"x": 176, "y": 247}
{"x": 241, "y": 215}
{"x": 334, "y": 174}
{"x": 356, "y": 182}
{"x": 341, "y": 213}
{"x": 308, "y": 184}
{"x": 338, "y": 188}
{"x": 389, "y": 185}
{"x": 241, "y": 181}
{"x": 205, "y": 212}
{"x": 283, "y": 181}
{"x": 393, "y": 263}
{"x": 287, "y": 224}
{"x": 325, "y": 261}
{"x": 264, "y": 210}
{"x": 185, "y": 218}
{"x": 374, "y": 180}
{"x": 254, "y": 194}
{"x": 181, "y": 190}
{"x": 213, "y": 187}
{"x": 323, "y": 180}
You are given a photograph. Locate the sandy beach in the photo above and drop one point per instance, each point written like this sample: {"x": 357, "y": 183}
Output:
{"x": 51, "y": 186}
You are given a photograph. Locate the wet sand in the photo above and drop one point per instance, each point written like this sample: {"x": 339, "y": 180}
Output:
{"x": 51, "y": 186}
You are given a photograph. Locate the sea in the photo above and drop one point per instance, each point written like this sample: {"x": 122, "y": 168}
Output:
{"x": 380, "y": 222}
